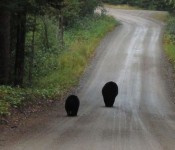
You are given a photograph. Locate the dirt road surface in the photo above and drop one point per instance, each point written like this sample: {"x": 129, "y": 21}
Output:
{"x": 143, "y": 116}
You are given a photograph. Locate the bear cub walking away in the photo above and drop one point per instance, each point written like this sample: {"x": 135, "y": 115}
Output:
{"x": 72, "y": 105}
{"x": 109, "y": 92}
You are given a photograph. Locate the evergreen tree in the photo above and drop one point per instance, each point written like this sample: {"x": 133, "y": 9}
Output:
{"x": 14, "y": 25}
{"x": 4, "y": 43}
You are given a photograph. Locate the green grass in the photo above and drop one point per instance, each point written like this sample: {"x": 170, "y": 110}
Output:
{"x": 81, "y": 48}
{"x": 124, "y": 6}
{"x": 161, "y": 16}
{"x": 169, "y": 39}
{"x": 62, "y": 70}
{"x": 169, "y": 48}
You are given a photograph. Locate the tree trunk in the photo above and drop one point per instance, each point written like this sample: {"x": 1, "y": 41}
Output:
{"x": 20, "y": 49}
{"x": 46, "y": 39}
{"x": 61, "y": 30}
{"x": 4, "y": 46}
{"x": 32, "y": 51}
{"x": 13, "y": 33}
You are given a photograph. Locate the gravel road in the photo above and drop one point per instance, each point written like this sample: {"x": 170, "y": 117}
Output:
{"x": 143, "y": 116}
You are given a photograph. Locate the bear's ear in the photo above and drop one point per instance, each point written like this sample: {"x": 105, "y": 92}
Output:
{"x": 73, "y": 97}
{"x": 109, "y": 92}
{"x": 72, "y": 105}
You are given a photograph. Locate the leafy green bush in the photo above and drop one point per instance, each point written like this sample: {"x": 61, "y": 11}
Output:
{"x": 171, "y": 29}
{"x": 13, "y": 96}
{"x": 9, "y": 97}
{"x": 4, "y": 108}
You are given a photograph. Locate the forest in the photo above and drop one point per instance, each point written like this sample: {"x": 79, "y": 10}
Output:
{"x": 45, "y": 45}
{"x": 20, "y": 22}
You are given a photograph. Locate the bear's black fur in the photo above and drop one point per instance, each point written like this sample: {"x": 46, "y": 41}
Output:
{"x": 109, "y": 92}
{"x": 72, "y": 105}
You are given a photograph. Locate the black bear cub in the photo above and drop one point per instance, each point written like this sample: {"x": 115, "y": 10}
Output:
{"x": 72, "y": 105}
{"x": 109, "y": 92}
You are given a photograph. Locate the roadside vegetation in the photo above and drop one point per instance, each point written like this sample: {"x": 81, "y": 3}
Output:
{"x": 122, "y": 6}
{"x": 169, "y": 39}
{"x": 56, "y": 53}
{"x": 45, "y": 45}
{"x": 161, "y": 16}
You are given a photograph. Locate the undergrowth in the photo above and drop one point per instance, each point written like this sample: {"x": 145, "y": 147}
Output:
{"x": 57, "y": 71}
{"x": 169, "y": 39}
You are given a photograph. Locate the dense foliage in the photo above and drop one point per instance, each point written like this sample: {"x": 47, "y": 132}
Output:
{"x": 171, "y": 28}
{"x": 44, "y": 47}
{"x": 24, "y": 28}
{"x": 169, "y": 39}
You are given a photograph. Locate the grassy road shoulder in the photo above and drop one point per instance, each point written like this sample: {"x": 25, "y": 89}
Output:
{"x": 169, "y": 39}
